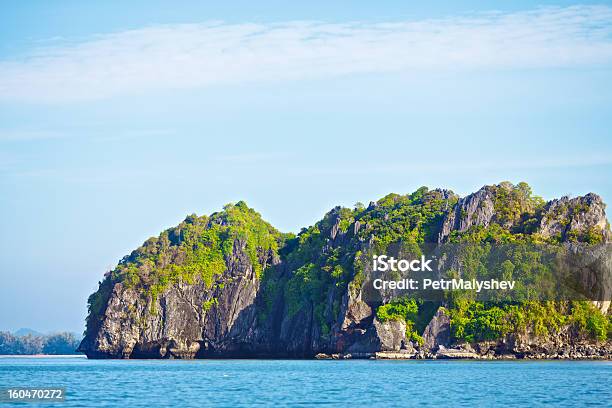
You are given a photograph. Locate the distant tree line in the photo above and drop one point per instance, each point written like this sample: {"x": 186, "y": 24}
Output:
{"x": 59, "y": 343}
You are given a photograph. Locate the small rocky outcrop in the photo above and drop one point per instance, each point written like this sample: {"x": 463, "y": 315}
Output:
{"x": 472, "y": 210}
{"x": 576, "y": 217}
{"x": 438, "y": 332}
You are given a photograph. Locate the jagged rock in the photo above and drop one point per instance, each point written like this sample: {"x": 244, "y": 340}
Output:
{"x": 474, "y": 209}
{"x": 233, "y": 316}
{"x": 566, "y": 216}
{"x": 335, "y": 229}
{"x": 175, "y": 325}
{"x": 437, "y": 332}
{"x": 355, "y": 311}
{"x": 391, "y": 334}
{"x": 379, "y": 336}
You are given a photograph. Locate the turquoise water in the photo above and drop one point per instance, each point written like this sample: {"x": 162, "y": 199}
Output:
{"x": 149, "y": 383}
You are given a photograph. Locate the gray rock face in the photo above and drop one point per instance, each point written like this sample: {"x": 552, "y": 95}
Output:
{"x": 391, "y": 334}
{"x": 474, "y": 209}
{"x": 196, "y": 321}
{"x": 563, "y": 218}
{"x": 566, "y": 216}
{"x": 380, "y": 336}
{"x": 184, "y": 321}
{"x": 560, "y": 346}
{"x": 225, "y": 319}
{"x": 438, "y": 331}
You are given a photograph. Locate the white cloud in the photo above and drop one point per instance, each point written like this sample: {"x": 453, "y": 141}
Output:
{"x": 200, "y": 55}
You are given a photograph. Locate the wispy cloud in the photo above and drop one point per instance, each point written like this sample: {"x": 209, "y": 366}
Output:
{"x": 200, "y": 55}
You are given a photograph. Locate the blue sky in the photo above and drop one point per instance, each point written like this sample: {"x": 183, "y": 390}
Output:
{"x": 116, "y": 120}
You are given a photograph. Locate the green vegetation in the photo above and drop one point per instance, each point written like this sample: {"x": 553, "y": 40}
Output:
{"x": 476, "y": 321}
{"x": 510, "y": 248}
{"x": 198, "y": 249}
{"x": 96, "y": 303}
{"x": 405, "y": 309}
{"x": 513, "y": 204}
{"x": 206, "y": 306}
{"x": 327, "y": 259}
{"x": 472, "y": 321}
{"x": 414, "y": 218}
{"x": 324, "y": 266}
{"x": 54, "y": 344}
{"x": 590, "y": 321}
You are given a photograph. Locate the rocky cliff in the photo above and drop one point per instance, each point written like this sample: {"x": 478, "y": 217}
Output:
{"x": 230, "y": 285}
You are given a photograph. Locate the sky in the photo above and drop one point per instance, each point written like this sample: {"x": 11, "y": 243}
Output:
{"x": 117, "y": 120}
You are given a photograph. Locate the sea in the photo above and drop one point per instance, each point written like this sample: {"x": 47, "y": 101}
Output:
{"x": 346, "y": 383}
